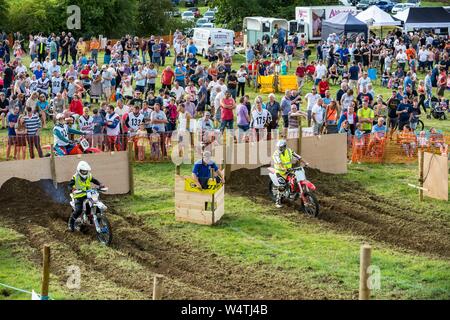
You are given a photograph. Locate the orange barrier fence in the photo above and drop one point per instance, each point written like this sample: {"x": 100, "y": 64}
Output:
{"x": 152, "y": 147}
{"x": 402, "y": 148}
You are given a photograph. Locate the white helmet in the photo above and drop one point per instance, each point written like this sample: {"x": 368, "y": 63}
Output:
{"x": 83, "y": 169}
{"x": 59, "y": 116}
{"x": 282, "y": 145}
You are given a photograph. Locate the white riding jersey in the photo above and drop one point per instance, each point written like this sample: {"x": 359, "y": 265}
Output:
{"x": 56, "y": 85}
{"x": 86, "y": 125}
{"x": 260, "y": 119}
{"x": 134, "y": 122}
{"x": 64, "y": 131}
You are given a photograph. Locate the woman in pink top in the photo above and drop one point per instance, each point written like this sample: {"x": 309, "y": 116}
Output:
{"x": 227, "y": 116}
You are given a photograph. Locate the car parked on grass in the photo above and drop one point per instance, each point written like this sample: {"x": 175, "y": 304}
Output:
{"x": 399, "y": 7}
{"x": 187, "y": 16}
{"x": 364, "y": 4}
{"x": 190, "y": 3}
{"x": 200, "y": 22}
{"x": 416, "y": 3}
{"x": 211, "y": 15}
{"x": 385, "y": 5}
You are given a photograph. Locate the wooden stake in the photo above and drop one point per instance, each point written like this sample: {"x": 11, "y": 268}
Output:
{"x": 364, "y": 263}
{"x": 53, "y": 167}
{"x": 45, "y": 272}
{"x": 421, "y": 165}
{"x": 157, "y": 287}
{"x": 300, "y": 136}
{"x": 130, "y": 166}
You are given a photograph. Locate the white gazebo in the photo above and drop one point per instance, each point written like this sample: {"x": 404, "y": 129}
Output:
{"x": 375, "y": 17}
{"x": 402, "y": 15}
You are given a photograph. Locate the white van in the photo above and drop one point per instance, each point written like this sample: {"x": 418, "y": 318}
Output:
{"x": 205, "y": 37}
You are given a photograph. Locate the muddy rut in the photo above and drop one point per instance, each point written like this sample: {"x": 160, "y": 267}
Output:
{"x": 138, "y": 252}
{"x": 346, "y": 206}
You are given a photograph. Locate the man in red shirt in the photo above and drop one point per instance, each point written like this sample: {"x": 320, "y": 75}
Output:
{"x": 310, "y": 70}
{"x": 76, "y": 106}
{"x": 323, "y": 86}
{"x": 167, "y": 78}
{"x": 300, "y": 73}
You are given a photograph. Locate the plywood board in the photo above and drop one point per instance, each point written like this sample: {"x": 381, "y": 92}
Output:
{"x": 327, "y": 153}
{"x": 435, "y": 173}
{"x": 110, "y": 169}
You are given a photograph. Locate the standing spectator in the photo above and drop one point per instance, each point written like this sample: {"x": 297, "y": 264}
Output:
{"x": 242, "y": 78}
{"x": 300, "y": 74}
{"x": 33, "y": 124}
{"x": 261, "y": 118}
{"x": 12, "y": 121}
{"x": 275, "y": 110}
{"x": 318, "y": 117}
{"x": 167, "y": 78}
{"x": 311, "y": 99}
{"x": 156, "y": 54}
{"x": 321, "y": 72}
{"x": 4, "y": 105}
{"x": 21, "y": 138}
{"x": 112, "y": 121}
{"x": 227, "y": 116}
{"x": 365, "y": 117}
{"x": 324, "y": 86}
{"x": 76, "y": 106}
{"x": 404, "y": 111}
{"x": 232, "y": 84}
{"x": 243, "y": 119}
{"x": 152, "y": 74}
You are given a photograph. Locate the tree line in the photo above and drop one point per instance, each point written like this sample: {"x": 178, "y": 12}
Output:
{"x": 115, "y": 18}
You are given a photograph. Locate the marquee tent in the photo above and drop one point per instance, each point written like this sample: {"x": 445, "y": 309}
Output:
{"x": 425, "y": 18}
{"x": 344, "y": 24}
{"x": 375, "y": 17}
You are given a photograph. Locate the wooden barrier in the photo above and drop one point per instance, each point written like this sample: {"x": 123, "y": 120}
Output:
{"x": 157, "y": 287}
{"x": 45, "y": 272}
{"x": 110, "y": 168}
{"x": 199, "y": 208}
{"x": 327, "y": 153}
{"x": 434, "y": 175}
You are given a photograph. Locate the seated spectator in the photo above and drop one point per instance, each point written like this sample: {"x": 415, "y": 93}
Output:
{"x": 408, "y": 141}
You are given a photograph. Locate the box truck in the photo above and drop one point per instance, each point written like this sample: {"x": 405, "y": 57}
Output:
{"x": 309, "y": 19}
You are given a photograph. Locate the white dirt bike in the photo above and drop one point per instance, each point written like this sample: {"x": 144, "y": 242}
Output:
{"x": 297, "y": 189}
{"x": 94, "y": 215}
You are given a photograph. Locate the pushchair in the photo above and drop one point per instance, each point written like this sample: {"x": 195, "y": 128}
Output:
{"x": 437, "y": 110}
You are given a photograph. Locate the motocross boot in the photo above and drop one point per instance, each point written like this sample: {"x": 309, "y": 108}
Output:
{"x": 71, "y": 223}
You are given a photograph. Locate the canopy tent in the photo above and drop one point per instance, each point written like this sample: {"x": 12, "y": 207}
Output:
{"x": 344, "y": 24}
{"x": 376, "y": 17}
{"x": 425, "y": 18}
{"x": 402, "y": 15}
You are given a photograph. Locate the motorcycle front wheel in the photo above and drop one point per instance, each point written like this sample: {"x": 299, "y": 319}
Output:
{"x": 105, "y": 235}
{"x": 310, "y": 205}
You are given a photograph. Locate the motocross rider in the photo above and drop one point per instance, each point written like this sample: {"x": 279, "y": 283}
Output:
{"x": 61, "y": 133}
{"x": 283, "y": 159}
{"x": 79, "y": 185}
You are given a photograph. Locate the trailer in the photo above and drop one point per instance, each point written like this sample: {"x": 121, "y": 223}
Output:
{"x": 260, "y": 28}
{"x": 309, "y": 19}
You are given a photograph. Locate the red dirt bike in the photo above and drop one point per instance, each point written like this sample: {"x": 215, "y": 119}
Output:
{"x": 81, "y": 146}
{"x": 298, "y": 189}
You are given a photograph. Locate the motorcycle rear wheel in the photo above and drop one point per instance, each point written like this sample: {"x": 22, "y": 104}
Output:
{"x": 311, "y": 208}
{"x": 106, "y": 236}
{"x": 273, "y": 191}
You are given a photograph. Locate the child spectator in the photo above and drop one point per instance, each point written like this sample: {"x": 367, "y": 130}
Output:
{"x": 155, "y": 145}
{"x": 21, "y": 139}
{"x": 409, "y": 141}
{"x": 358, "y": 145}
{"x": 142, "y": 141}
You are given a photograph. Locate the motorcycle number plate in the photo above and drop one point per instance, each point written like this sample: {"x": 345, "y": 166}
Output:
{"x": 300, "y": 175}
{"x": 84, "y": 144}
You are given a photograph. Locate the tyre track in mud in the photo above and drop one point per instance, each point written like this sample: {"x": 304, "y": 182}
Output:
{"x": 138, "y": 252}
{"x": 347, "y": 207}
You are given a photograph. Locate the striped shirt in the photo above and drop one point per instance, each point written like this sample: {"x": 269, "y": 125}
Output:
{"x": 32, "y": 124}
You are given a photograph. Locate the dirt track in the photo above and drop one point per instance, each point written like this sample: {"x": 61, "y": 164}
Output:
{"x": 190, "y": 273}
{"x": 345, "y": 206}
{"x": 139, "y": 251}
